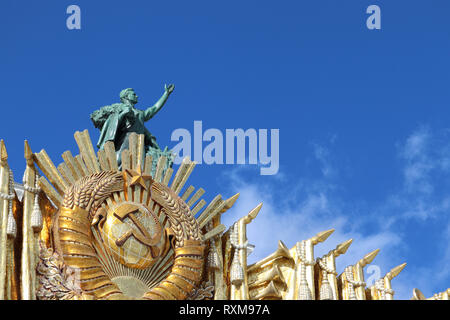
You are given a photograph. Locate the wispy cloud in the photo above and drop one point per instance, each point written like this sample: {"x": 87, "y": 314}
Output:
{"x": 426, "y": 157}
{"x": 322, "y": 155}
{"x": 418, "y": 164}
{"x": 425, "y": 199}
{"x": 444, "y": 273}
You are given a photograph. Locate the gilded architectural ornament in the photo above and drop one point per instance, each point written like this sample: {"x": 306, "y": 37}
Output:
{"x": 119, "y": 223}
{"x": 91, "y": 231}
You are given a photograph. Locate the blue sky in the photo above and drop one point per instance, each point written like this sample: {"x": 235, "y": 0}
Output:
{"x": 363, "y": 114}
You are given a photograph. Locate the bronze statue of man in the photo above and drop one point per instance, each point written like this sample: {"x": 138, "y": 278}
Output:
{"x": 117, "y": 121}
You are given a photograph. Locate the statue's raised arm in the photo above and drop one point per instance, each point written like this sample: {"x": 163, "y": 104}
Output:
{"x": 150, "y": 112}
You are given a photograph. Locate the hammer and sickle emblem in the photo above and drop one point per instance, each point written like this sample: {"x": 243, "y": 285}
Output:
{"x": 142, "y": 235}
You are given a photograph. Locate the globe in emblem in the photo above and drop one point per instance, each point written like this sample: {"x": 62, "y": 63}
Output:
{"x": 132, "y": 234}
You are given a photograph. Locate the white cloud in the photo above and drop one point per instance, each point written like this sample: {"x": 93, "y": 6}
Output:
{"x": 322, "y": 155}
{"x": 444, "y": 272}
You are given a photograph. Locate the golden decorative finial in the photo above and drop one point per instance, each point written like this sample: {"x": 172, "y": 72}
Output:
{"x": 3, "y": 153}
{"x": 230, "y": 202}
{"x": 395, "y": 271}
{"x": 342, "y": 248}
{"x": 252, "y": 214}
{"x": 28, "y": 153}
{"x": 418, "y": 295}
{"x": 368, "y": 258}
{"x": 321, "y": 236}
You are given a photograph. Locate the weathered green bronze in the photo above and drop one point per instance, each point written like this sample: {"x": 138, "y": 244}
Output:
{"x": 117, "y": 121}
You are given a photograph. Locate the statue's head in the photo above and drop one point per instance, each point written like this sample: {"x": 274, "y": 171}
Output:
{"x": 128, "y": 95}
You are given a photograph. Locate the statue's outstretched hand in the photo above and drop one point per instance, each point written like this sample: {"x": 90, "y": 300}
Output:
{"x": 169, "y": 88}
